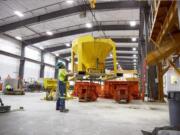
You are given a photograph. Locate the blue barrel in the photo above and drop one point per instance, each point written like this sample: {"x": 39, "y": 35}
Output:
{"x": 174, "y": 108}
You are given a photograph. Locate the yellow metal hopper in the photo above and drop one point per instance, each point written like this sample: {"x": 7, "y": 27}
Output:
{"x": 91, "y": 53}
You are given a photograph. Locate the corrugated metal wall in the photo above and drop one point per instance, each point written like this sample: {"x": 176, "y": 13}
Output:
{"x": 49, "y": 59}
{"x": 31, "y": 71}
{"x": 32, "y": 53}
{"x": 9, "y": 45}
{"x": 10, "y": 66}
{"x": 49, "y": 72}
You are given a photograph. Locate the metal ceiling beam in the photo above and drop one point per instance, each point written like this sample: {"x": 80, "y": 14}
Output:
{"x": 127, "y": 45}
{"x": 121, "y": 40}
{"x": 65, "y": 55}
{"x": 122, "y": 57}
{"x": 125, "y": 67}
{"x": 127, "y": 52}
{"x": 118, "y": 53}
{"x": 121, "y": 63}
{"x": 79, "y": 31}
{"x": 56, "y": 48}
{"x": 69, "y": 11}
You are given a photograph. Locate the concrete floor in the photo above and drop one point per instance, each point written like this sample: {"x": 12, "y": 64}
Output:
{"x": 104, "y": 117}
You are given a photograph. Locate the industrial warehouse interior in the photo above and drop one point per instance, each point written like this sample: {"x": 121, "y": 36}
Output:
{"x": 89, "y": 67}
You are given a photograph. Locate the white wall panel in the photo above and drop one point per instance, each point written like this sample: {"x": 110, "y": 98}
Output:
{"x": 33, "y": 53}
{"x": 31, "y": 71}
{"x": 10, "y": 45}
{"x": 171, "y": 81}
{"x": 49, "y": 72}
{"x": 49, "y": 59}
{"x": 9, "y": 66}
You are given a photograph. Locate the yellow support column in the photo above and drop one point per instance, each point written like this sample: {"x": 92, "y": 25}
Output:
{"x": 114, "y": 59}
{"x": 72, "y": 60}
{"x": 92, "y": 3}
{"x": 80, "y": 57}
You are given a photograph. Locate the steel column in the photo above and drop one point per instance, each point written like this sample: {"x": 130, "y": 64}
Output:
{"x": 56, "y": 70}
{"x": 42, "y": 65}
{"x": 22, "y": 62}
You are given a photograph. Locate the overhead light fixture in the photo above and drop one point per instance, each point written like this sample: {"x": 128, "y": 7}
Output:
{"x": 134, "y": 60}
{"x": 57, "y": 54}
{"x": 132, "y": 23}
{"x": 18, "y": 13}
{"x": 18, "y": 38}
{"x": 133, "y": 39}
{"x": 134, "y": 49}
{"x": 88, "y": 25}
{"x": 134, "y": 56}
{"x": 70, "y": 1}
{"x": 49, "y": 33}
{"x": 42, "y": 48}
{"x": 68, "y": 44}
{"x": 134, "y": 64}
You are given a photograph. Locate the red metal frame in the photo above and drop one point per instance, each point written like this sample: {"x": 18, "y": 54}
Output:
{"x": 86, "y": 91}
{"x": 121, "y": 90}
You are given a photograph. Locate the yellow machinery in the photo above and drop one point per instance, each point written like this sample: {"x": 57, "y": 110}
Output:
{"x": 92, "y": 3}
{"x": 50, "y": 85}
{"x": 91, "y": 54}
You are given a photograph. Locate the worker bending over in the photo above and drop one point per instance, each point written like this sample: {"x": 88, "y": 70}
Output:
{"x": 62, "y": 80}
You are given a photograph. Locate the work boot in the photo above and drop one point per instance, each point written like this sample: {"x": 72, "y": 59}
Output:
{"x": 64, "y": 110}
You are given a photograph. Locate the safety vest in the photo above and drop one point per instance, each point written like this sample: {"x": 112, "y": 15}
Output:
{"x": 8, "y": 86}
{"x": 62, "y": 76}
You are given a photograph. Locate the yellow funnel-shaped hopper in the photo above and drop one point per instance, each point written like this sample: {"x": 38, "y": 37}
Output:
{"x": 91, "y": 53}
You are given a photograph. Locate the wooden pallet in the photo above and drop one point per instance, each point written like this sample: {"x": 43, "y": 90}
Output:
{"x": 14, "y": 92}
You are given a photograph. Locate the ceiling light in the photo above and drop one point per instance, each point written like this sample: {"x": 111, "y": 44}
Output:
{"x": 132, "y": 23}
{"x": 133, "y": 39}
{"x": 134, "y": 49}
{"x": 42, "y": 48}
{"x": 49, "y": 33}
{"x": 18, "y": 13}
{"x": 134, "y": 56}
{"x": 18, "y": 38}
{"x": 57, "y": 54}
{"x": 68, "y": 44}
{"x": 134, "y": 64}
{"x": 88, "y": 25}
{"x": 69, "y": 1}
{"x": 134, "y": 60}
{"x": 117, "y": 63}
